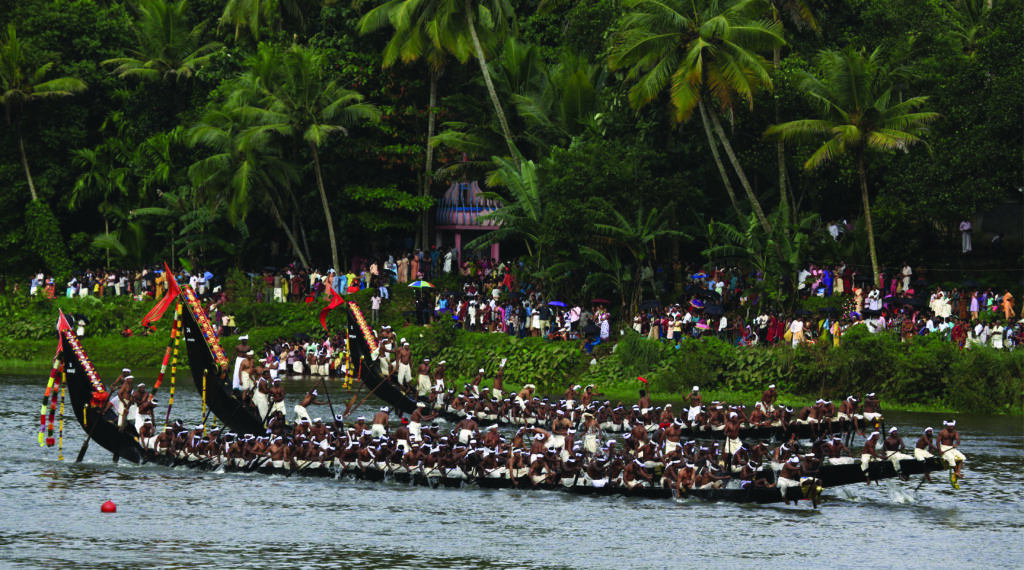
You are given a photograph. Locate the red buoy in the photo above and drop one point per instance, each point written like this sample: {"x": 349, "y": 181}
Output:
{"x": 108, "y": 507}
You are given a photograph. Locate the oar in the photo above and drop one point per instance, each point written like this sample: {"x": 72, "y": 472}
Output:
{"x": 328, "y": 394}
{"x": 85, "y": 444}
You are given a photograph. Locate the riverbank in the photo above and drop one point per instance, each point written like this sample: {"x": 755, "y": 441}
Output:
{"x": 926, "y": 374}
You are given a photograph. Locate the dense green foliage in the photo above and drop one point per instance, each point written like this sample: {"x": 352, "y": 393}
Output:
{"x": 575, "y": 89}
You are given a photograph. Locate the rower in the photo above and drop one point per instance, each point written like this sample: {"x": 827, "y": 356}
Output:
{"x": 635, "y": 475}
{"x": 261, "y": 396}
{"x": 380, "y": 422}
{"x": 789, "y": 476}
{"x": 307, "y": 400}
{"x": 892, "y": 447}
{"x": 146, "y": 433}
{"x": 404, "y": 358}
{"x": 474, "y": 384}
{"x": 439, "y": 377}
{"x": 872, "y": 408}
{"x": 868, "y": 454}
{"x": 923, "y": 448}
{"x": 467, "y": 429}
{"x": 416, "y": 422}
{"x": 949, "y": 442}
{"x": 524, "y": 396}
{"x": 835, "y": 451}
{"x": 499, "y": 380}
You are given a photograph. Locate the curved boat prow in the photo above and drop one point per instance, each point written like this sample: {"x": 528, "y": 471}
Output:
{"x": 89, "y": 399}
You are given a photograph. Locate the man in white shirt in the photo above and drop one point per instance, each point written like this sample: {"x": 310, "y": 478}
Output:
{"x": 965, "y": 235}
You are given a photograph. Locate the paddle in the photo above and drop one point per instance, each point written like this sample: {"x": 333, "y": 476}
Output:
{"x": 85, "y": 444}
{"x": 328, "y": 394}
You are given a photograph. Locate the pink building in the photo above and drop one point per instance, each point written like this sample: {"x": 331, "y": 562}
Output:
{"x": 458, "y": 211}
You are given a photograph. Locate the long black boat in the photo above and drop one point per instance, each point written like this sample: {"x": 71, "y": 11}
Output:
{"x": 88, "y": 399}
{"x": 829, "y": 476}
{"x": 210, "y": 368}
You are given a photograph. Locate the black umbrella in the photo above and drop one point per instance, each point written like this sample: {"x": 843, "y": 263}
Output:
{"x": 714, "y": 310}
{"x": 591, "y": 329}
{"x": 921, "y": 282}
{"x": 301, "y": 336}
{"x": 871, "y": 313}
{"x": 453, "y": 293}
{"x": 829, "y": 311}
{"x": 269, "y": 268}
{"x": 862, "y": 279}
{"x": 912, "y": 301}
{"x": 81, "y": 317}
{"x": 802, "y": 313}
{"x": 709, "y": 294}
{"x": 650, "y": 304}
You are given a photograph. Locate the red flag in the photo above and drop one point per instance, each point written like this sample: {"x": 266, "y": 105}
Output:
{"x": 62, "y": 323}
{"x": 172, "y": 293}
{"x": 642, "y": 379}
{"x": 336, "y": 301}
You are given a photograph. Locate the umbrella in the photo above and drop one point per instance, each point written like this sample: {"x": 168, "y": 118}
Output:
{"x": 714, "y": 310}
{"x": 81, "y": 317}
{"x": 921, "y": 282}
{"x": 270, "y": 268}
{"x": 709, "y": 294}
{"x": 453, "y": 293}
{"x": 862, "y": 279}
{"x": 829, "y": 311}
{"x": 601, "y": 301}
{"x": 591, "y": 329}
{"x": 697, "y": 304}
{"x": 971, "y": 284}
{"x": 871, "y": 313}
{"x": 421, "y": 285}
{"x": 912, "y": 301}
{"x": 802, "y": 313}
{"x": 556, "y": 304}
{"x": 650, "y": 304}
{"x": 301, "y": 336}
{"x": 699, "y": 276}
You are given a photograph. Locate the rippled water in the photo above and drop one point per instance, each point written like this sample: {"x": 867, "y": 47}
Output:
{"x": 177, "y": 518}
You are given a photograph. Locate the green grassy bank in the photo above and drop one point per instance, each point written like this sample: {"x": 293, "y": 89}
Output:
{"x": 927, "y": 374}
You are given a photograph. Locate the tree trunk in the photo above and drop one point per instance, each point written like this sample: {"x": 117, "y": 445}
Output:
{"x": 781, "y": 148}
{"x": 106, "y": 230}
{"x": 24, "y": 163}
{"x": 302, "y": 226}
{"x": 490, "y": 85}
{"x": 739, "y": 171}
{"x": 718, "y": 159}
{"x": 287, "y": 232}
{"x": 327, "y": 209}
{"x": 428, "y": 172}
{"x": 867, "y": 215}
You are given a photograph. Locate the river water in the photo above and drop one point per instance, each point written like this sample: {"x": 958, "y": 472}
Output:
{"x": 178, "y": 518}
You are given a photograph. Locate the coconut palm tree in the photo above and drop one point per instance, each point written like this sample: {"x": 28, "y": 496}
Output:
{"x": 452, "y": 26}
{"x": 245, "y": 168}
{"x": 167, "y": 50}
{"x": 704, "y": 53}
{"x": 253, "y": 13}
{"x": 22, "y": 83}
{"x": 854, "y": 99}
{"x": 416, "y": 40}
{"x": 290, "y": 95}
{"x": 801, "y": 16}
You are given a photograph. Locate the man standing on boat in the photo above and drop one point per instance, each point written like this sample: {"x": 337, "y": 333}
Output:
{"x": 893, "y": 448}
{"x": 695, "y": 404}
{"x": 380, "y": 423}
{"x": 404, "y": 357}
{"x": 241, "y": 350}
{"x": 423, "y": 379}
{"x": 949, "y": 442}
{"x": 768, "y": 399}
